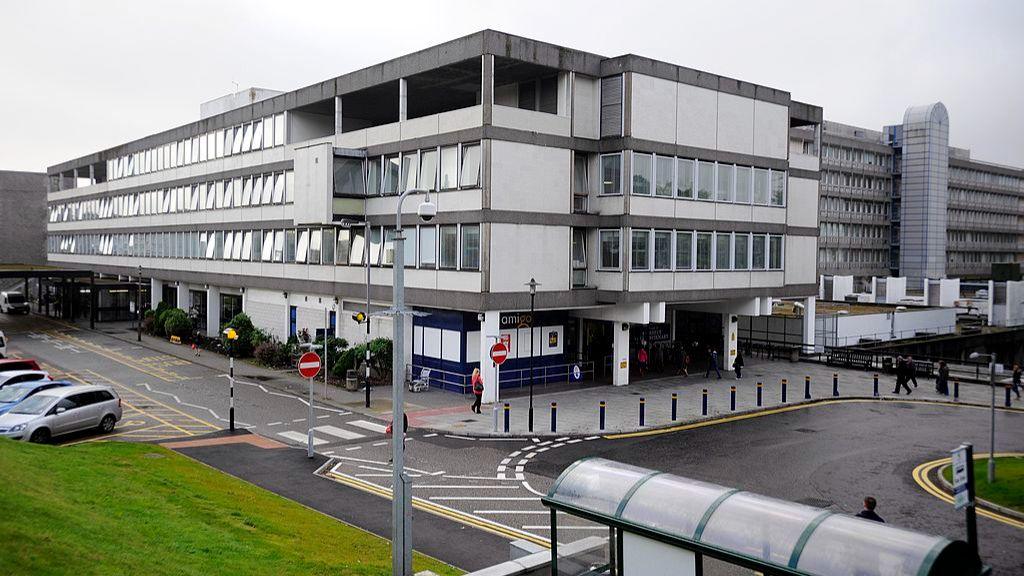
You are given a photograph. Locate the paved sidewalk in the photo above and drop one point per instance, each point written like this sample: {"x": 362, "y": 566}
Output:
{"x": 578, "y": 409}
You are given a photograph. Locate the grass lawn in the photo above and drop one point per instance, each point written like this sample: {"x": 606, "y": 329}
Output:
{"x": 122, "y": 508}
{"x": 1008, "y": 489}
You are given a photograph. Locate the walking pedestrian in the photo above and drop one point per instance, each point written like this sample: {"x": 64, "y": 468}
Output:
{"x": 942, "y": 381}
{"x": 712, "y": 363}
{"x": 195, "y": 350}
{"x": 1015, "y": 381}
{"x": 478, "y": 390}
{"x": 911, "y": 371}
{"x": 641, "y": 359}
{"x": 737, "y": 364}
{"x": 868, "y": 513}
{"x": 901, "y": 376}
{"x": 684, "y": 365}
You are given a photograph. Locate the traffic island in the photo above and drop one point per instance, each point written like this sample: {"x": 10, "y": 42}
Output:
{"x": 1006, "y": 494}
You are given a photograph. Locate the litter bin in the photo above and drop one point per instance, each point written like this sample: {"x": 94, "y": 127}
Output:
{"x": 351, "y": 380}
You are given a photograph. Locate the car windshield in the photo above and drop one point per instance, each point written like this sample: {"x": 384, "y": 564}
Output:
{"x": 15, "y": 299}
{"x": 33, "y": 405}
{"x": 12, "y": 394}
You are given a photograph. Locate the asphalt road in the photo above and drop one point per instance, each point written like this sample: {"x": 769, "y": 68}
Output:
{"x": 827, "y": 456}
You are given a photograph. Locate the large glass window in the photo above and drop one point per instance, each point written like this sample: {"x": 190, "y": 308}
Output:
{"x": 723, "y": 251}
{"x": 388, "y": 258}
{"x": 775, "y": 252}
{"x": 610, "y": 245}
{"x": 449, "y": 242}
{"x": 725, "y": 177}
{"x": 741, "y": 251}
{"x": 315, "y": 244}
{"x": 684, "y": 250}
{"x": 744, "y": 183}
{"x": 428, "y": 246}
{"x": 279, "y": 129}
{"x": 470, "y": 166}
{"x": 342, "y": 247}
{"x": 428, "y": 169}
{"x": 642, "y": 173}
{"x": 757, "y": 252}
{"x": 376, "y": 242}
{"x": 579, "y": 174}
{"x": 328, "y": 246}
{"x": 664, "y": 176}
{"x": 289, "y": 245}
{"x": 684, "y": 178}
{"x": 611, "y": 174}
{"x": 471, "y": 247}
{"x": 705, "y": 180}
{"x": 760, "y": 186}
{"x": 348, "y": 179}
{"x": 449, "y": 167}
{"x": 662, "y": 250}
{"x": 778, "y": 188}
{"x": 640, "y": 250}
{"x": 373, "y": 176}
{"x": 392, "y": 172}
{"x": 704, "y": 250}
{"x": 357, "y": 247}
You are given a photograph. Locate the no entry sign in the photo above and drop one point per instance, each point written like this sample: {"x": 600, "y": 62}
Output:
{"x": 309, "y": 365}
{"x": 499, "y": 352}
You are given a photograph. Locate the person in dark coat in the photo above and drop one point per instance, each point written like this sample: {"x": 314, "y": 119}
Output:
{"x": 911, "y": 371}
{"x": 1015, "y": 380}
{"x": 942, "y": 380}
{"x": 868, "y": 513}
{"x": 901, "y": 375}
{"x": 712, "y": 363}
{"x": 737, "y": 364}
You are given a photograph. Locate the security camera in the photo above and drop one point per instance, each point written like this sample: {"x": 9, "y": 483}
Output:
{"x": 427, "y": 211}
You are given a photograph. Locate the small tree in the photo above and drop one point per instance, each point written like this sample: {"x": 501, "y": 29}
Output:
{"x": 177, "y": 323}
{"x": 243, "y": 345}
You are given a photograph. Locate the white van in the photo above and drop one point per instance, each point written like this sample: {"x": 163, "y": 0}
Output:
{"x": 3, "y": 345}
{"x": 13, "y": 303}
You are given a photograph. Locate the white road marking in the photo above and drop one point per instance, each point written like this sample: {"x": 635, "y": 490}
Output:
{"x": 299, "y": 420}
{"x": 530, "y": 488}
{"x": 350, "y": 448}
{"x": 429, "y": 435}
{"x": 380, "y": 443}
{"x": 461, "y": 477}
{"x": 301, "y": 437}
{"x": 323, "y": 416}
{"x": 371, "y": 426}
{"x": 502, "y": 498}
{"x": 458, "y": 437}
{"x": 274, "y": 424}
{"x": 339, "y": 432}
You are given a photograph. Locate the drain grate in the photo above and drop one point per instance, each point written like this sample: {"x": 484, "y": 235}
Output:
{"x": 805, "y": 430}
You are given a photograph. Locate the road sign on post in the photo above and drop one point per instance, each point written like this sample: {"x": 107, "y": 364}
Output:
{"x": 962, "y": 462}
{"x": 499, "y": 352}
{"x": 309, "y": 365}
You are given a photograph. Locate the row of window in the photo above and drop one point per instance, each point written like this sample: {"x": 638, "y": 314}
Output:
{"x": 450, "y": 247}
{"x": 257, "y": 190}
{"x": 975, "y": 257}
{"x": 440, "y": 168}
{"x": 989, "y": 237}
{"x": 847, "y": 206}
{"x": 672, "y": 177}
{"x": 956, "y": 216}
{"x": 837, "y": 229}
{"x": 856, "y": 181}
{"x": 687, "y": 250}
{"x": 843, "y": 153}
{"x": 1007, "y": 202}
{"x": 256, "y": 135}
{"x": 860, "y": 256}
{"x": 977, "y": 176}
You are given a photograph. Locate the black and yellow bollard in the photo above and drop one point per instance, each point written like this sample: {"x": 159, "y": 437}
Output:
{"x": 600, "y": 415}
{"x": 704, "y": 402}
{"x": 508, "y": 410}
{"x": 835, "y": 384}
{"x": 732, "y": 398}
{"x": 643, "y": 408}
{"x": 1008, "y": 403}
{"x": 675, "y": 405}
{"x": 874, "y": 390}
{"x": 554, "y": 416}
{"x": 807, "y": 387}
{"x": 956, "y": 388}
{"x": 784, "y": 390}
{"x": 758, "y": 394}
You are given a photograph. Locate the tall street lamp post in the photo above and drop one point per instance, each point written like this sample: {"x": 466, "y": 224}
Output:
{"x": 992, "y": 427}
{"x": 533, "y": 295}
{"x": 401, "y": 521}
{"x": 138, "y": 303}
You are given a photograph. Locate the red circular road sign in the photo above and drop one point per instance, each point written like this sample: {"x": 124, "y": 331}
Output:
{"x": 309, "y": 365}
{"x": 499, "y": 352}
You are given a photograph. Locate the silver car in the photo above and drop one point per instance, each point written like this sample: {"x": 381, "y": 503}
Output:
{"x": 60, "y": 411}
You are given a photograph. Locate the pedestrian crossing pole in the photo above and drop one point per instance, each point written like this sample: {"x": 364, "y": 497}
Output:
{"x": 309, "y": 424}
{"x": 231, "y": 383}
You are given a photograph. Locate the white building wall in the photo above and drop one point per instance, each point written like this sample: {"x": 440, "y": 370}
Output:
{"x": 530, "y": 178}
{"x": 697, "y": 117}
{"x": 653, "y": 108}
{"x": 736, "y": 123}
{"x": 519, "y": 252}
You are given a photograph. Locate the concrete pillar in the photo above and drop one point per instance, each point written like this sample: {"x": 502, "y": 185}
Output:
{"x": 488, "y": 335}
{"x": 156, "y": 292}
{"x": 74, "y": 178}
{"x": 212, "y": 311}
{"x": 730, "y": 345}
{"x": 620, "y": 353}
{"x": 403, "y": 100}
{"x": 337, "y": 115}
{"x": 809, "y": 310}
{"x": 487, "y": 87}
{"x": 92, "y": 174}
{"x": 184, "y": 301}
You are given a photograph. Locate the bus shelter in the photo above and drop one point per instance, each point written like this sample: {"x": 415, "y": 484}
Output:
{"x": 660, "y": 524}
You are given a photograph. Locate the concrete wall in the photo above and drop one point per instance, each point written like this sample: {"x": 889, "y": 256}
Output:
{"x": 22, "y": 217}
{"x": 530, "y": 178}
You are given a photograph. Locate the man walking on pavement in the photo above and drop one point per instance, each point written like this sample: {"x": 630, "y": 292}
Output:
{"x": 901, "y": 375}
{"x": 911, "y": 371}
{"x": 868, "y": 513}
{"x": 712, "y": 363}
{"x": 1015, "y": 381}
{"x": 737, "y": 364}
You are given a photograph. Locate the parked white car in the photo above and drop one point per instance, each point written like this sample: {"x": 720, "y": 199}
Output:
{"x": 13, "y": 303}
{"x": 18, "y": 376}
{"x": 60, "y": 411}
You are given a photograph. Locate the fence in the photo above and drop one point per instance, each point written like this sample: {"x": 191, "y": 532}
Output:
{"x": 509, "y": 378}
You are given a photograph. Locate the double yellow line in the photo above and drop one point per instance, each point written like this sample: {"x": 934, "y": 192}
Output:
{"x": 167, "y": 376}
{"x": 922, "y": 475}
{"x": 443, "y": 511}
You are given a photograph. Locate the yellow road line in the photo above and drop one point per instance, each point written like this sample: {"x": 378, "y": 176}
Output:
{"x": 98, "y": 438}
{"x": 443, "y": 511}
{"x": 790, "y": 408}
{"x": 119, "y": 358}
{"x": 922, "y": 473}
{"x": 155, "y": 401}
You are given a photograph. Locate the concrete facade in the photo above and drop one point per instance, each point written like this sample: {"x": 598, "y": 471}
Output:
{"x": 22, "y": 209}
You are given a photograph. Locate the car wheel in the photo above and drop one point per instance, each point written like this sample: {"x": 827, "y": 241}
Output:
{"x": 107, "y": 424}
{"x": 40, "y": 436}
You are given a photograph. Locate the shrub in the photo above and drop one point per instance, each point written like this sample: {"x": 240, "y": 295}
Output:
{"x": 148, "y": 321}
{"x": 267, "y": 353}
{"x": 177, "y": 323}
{"x": 159, "y": 328}
{"x": 380, "y": 359}
{"x": 242, "y": 346}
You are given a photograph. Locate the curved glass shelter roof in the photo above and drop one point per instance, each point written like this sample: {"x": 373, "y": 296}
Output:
{"x": 777, "y": 536}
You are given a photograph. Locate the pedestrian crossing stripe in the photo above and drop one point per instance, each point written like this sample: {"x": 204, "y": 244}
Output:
{"x": 371, "y": 426}
{"x": 301, "y": 437}
{"x": 339, "y": 432}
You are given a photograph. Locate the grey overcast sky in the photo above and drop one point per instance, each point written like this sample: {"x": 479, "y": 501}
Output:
{"x": 77, "y": 77}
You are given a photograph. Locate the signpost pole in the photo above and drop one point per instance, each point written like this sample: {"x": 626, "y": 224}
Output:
{"x": 962, "y": 462}
{"x": 309, "y": 424}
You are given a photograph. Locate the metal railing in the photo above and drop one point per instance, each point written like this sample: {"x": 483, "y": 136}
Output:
{"x": 509, "y": 377}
